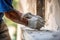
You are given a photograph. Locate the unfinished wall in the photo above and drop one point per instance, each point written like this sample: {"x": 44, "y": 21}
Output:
{"x": 52, "y": 14}
{"x": 41, "y": 8}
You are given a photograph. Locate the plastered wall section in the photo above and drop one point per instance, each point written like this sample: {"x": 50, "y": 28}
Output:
{"x": 52, "y": 15}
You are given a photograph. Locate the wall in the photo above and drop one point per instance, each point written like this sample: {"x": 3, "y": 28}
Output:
{"x": 41, "y": 8}
{"x": 27, "y": 6}
{"x": 52, "y": 15}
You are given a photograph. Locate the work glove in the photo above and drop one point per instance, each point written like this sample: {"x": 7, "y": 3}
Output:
{"x": 34, "y": 21}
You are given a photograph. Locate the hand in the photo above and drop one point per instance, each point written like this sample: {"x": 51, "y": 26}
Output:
{"x": 34, "y": 21}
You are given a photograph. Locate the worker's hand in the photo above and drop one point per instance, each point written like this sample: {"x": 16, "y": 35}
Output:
{"x": 34, "y": 21}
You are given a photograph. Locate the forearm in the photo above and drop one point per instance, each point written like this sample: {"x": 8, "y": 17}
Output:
{"x": 16, "y": 17}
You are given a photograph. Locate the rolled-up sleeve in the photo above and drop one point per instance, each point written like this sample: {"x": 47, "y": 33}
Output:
{"x": 5, "y": 5}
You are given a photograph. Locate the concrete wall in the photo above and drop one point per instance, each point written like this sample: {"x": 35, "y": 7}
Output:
{"x": 52, "y": 15}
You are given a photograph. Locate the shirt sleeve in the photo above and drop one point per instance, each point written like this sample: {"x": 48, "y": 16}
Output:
{"x": 5, "y": 5}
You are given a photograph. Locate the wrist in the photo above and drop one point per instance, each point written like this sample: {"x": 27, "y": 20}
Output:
{"x": 24, "y": 21}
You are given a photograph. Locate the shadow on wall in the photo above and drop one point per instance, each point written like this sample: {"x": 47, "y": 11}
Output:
{"x": 59, "y": 2}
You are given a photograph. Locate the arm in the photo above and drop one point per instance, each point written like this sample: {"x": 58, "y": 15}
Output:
{"x": 15, "y": 16}
{"x": 32, "y": 21}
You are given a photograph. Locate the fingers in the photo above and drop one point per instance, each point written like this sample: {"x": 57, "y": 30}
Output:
{"x": 35, "y": 21}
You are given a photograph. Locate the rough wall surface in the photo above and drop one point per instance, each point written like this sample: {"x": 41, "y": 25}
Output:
{"x": 52, "y": 15}
{"x": 28, "y": 6}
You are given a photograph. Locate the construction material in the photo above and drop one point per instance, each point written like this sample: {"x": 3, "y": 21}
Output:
{"x": 31, "y": 34}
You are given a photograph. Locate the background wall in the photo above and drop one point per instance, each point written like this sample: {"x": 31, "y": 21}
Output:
{"x": 27, "y": 6}
{"x": 52, "y": 15}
